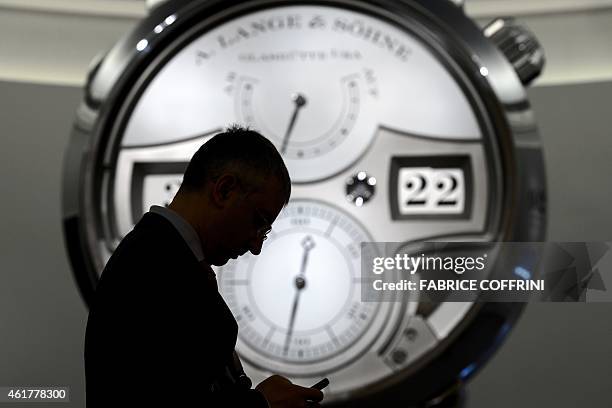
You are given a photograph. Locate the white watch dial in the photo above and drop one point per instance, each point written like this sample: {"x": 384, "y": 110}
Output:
{"x": 305, "y": 306}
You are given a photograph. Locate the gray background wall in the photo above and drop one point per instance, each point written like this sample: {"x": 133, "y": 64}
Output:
{"x": 559, "y": 355}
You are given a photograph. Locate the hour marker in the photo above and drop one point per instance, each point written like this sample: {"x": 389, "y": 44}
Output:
{"x": 332, "y": 336}
{"x": 331, "y": 226}
{"x": 269, "y": 336}
{"x": 237, "y": 281}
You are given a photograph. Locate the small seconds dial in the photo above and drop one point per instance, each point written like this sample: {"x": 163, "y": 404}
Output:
{"x": 300, "y": 300}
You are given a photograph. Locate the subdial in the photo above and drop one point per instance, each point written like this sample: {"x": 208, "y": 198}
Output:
{"x": 300, "y": 299}
{"x": 294, "y": 134}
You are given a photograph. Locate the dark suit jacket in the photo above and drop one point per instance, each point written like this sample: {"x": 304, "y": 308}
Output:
{"x": 158, "y": 331}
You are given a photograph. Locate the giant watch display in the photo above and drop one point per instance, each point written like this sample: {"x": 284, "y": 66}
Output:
{"x": 399, "y": 121}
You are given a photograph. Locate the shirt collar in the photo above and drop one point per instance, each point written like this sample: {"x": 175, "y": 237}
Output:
{"x": 186, "y": 230}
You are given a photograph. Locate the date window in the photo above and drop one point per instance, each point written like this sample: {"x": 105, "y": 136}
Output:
{"x": 154, "y": 183}
{"x": 430, "y": 187}
{"x": 427, "y": 190}
{"x": 160, "y": 189}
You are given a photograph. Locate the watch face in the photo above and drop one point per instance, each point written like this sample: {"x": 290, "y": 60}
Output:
{"x": 386, "y": 137}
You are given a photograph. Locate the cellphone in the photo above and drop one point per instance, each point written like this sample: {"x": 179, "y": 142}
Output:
{"x": 321, "y": 384}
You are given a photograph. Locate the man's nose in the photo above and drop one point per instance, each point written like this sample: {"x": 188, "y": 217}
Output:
{"x": 255, "y": 246}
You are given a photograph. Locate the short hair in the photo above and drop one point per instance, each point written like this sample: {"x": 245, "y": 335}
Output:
{"x": 240, "y": 150}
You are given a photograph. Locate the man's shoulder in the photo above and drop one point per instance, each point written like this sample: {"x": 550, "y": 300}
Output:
{"x": 152, "y": 231}
{"x": 153, "y": 244}
{"x": 154, "y": 222}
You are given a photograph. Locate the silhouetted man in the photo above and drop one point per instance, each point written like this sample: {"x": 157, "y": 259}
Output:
{"x": 159, "y": 332}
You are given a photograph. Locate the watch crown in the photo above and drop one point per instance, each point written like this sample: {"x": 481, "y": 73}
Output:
{"x": 519, "y": 45}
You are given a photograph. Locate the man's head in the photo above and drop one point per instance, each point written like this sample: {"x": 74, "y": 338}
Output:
{"x": 233, "y": 189}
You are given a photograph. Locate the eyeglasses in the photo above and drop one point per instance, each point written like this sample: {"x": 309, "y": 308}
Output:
{"x": 265, "y": 226}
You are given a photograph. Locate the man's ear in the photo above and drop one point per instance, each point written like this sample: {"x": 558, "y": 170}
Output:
{"x": 225, "y": 188}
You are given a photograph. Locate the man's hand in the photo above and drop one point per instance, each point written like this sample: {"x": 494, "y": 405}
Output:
{"x": 281, "y": 393}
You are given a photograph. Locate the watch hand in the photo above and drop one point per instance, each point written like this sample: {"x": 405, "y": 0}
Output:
{"x": 307, "y": 243}
{"x": 299, "y": 100}
{"x": 300, "y": 283}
